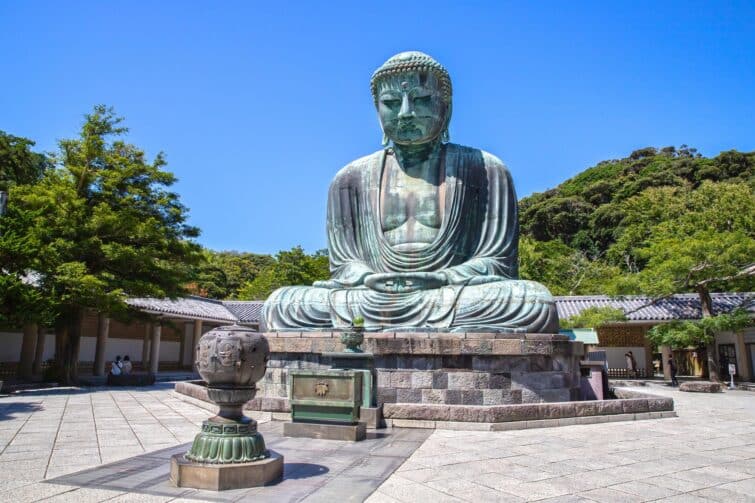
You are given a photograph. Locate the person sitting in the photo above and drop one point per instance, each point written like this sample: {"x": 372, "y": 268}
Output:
{"x": 127, "y": 367}
{"x": 116, "y": 366}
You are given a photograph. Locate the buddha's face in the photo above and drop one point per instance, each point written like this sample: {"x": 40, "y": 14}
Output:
{"x": 411, "y": 108}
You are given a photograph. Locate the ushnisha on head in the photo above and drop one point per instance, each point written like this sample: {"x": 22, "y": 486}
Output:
{"x": 412, "y": 94}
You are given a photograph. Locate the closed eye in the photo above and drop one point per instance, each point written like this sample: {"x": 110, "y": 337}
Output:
{"x": 422, "y": 100}
{"x": 391, "y": 103}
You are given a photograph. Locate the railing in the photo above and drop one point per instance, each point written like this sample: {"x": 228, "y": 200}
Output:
{"x": 629, "y": 374}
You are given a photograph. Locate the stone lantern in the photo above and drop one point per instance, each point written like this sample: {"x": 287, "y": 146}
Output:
{"x": 229, "y": 452}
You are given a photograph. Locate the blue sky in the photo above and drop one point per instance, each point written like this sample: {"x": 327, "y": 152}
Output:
{"x": 257, "y": 106}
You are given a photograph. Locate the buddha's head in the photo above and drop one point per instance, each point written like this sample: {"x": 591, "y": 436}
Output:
{"x": 412, "y": 94}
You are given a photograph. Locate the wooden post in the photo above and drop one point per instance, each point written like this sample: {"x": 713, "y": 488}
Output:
{"x": 665, "y": 355}
{"x": 743, "y": 357}
{"x": 39, "y": 352}
{"x": 103, "y": 329}
{"x": 154, "y": 350}
{"x": 145, "y": 346}
{"x": 195, "y": 341}
{"x": 26, "y": 360}
{"x": 182, "y": 346}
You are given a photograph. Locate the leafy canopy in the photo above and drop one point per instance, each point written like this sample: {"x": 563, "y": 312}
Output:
{"x": 687, "y": 333}
{"x": 101, "y": 225}
{"x": 594, "y": 317}
{"x": 292, "y": 267}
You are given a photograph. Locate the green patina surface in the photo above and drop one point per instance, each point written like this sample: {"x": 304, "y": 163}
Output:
{"x": 422, "y": 234}
{"x": 221, "y": 443}
{"x": 327, "y": 396}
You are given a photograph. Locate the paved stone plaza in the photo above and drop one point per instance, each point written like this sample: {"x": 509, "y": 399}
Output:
{"x": 114, "y": 445}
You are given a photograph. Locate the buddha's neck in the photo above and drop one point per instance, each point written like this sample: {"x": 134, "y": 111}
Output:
{"x": 414, "y": 157}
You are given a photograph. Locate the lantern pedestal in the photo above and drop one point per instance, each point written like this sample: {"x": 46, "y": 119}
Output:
{"x": 229, "y": 452}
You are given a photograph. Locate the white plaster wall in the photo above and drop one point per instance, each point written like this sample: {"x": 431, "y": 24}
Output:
{"x": 726, "y": 338}
{"x": 10, "y": 348}
{"x": 169, "y": 351}
{"x": 750, "y": 335}
{"x": 617, "y": 360}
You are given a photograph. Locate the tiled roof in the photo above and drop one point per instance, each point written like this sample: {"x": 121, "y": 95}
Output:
{"x": 187, "y": 307}
{"x": 685, "y": 306}
{"x": 246, "y": 311}
{"x": 636, "y": 307}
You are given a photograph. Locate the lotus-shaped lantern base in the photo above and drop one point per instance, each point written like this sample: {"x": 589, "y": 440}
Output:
{"x": 229, "y": 437}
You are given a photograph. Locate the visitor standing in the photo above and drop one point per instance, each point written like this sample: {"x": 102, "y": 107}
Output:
{"x": 672, "y": 371}
{"x": 631, "y": 364}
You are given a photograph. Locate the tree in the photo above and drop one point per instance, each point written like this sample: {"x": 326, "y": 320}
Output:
{"x": 680, "y": 334}
{"x": 704, "y": 241}
{"x": 98, "y": 228}
{"x": 18, "y": 163}
{"x": 20, "y": 300}
{"x": 594, "y": 317}
{"x": 221, "y": 275}
{"x": 292, "y": 267}
{"x": 564, "y": 270}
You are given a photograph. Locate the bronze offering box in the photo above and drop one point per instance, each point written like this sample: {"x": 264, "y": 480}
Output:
{"x": 329, "y": 396}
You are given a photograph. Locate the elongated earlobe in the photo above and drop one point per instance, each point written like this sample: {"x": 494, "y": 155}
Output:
{"x": 445, "y": 137}
{"x": 386, "y": 141}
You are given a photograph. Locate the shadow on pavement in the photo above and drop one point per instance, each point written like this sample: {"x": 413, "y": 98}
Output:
{"x": 330, "y": 469}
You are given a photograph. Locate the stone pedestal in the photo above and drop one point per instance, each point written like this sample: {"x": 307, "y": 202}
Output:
{"x": 348, "y": 432}
{"x": 229, "y": 452}
{"x": 220, "y": 477}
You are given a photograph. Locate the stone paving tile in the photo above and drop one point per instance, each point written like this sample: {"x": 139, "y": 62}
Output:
{"x": 608, "y": 495}
{"x": 706, "y": 454}
{"x": 709, "y": 447}
{"x": 643, "y": 491}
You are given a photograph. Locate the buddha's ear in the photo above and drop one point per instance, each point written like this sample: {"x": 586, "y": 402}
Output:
{"x": 386, "y": 141}
{"x": 445, "y": 136}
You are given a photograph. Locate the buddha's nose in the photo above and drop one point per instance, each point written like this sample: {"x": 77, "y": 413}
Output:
{"x": 407, "y": 110}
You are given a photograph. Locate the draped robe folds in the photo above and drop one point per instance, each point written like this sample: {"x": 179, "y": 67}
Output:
{"x": 475, "y": 249}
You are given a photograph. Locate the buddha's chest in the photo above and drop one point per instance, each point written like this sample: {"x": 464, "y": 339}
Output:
{"x": 410, "y": 207}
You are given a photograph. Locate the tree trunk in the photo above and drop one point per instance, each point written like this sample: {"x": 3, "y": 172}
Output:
{"x": 61, "y": 343}
{"x": 706, "y": 307}
{"x": 67, "y": 344}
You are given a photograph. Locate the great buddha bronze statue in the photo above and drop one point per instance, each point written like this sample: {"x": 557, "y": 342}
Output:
{"x": 423, "y": 234}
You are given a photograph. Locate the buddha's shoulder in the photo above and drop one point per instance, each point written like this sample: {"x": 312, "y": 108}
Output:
{"x": 477, "y": 156}
{"x": 357, "y": 167}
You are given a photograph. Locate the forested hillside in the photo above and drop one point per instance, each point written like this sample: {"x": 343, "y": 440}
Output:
{"x": 654, "y": 222}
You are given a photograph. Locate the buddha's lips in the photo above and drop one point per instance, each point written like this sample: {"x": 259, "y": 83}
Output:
{"x": 408, "y": 127}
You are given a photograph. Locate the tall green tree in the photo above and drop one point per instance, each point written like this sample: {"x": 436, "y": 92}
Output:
{"x": 102, "y": 226}
{"x": 20, "y": 301}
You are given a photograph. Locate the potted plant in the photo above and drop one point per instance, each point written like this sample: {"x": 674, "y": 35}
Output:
{"x": 354, "y": 337}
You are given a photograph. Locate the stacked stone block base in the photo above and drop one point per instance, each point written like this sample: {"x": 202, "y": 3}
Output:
{"x": 439, "y": 368}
